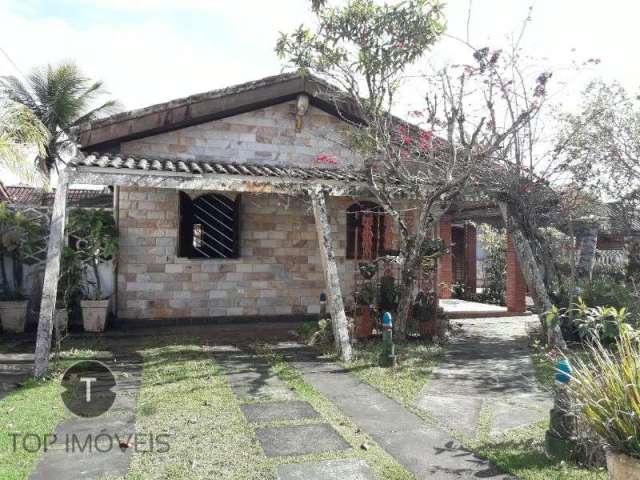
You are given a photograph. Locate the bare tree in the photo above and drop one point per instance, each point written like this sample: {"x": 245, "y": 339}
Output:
{"x": 363, "y": 49}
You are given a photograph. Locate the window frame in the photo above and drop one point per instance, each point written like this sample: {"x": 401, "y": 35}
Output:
{"x": 187, "y": 219}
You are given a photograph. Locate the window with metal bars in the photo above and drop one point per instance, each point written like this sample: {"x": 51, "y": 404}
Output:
{"x": 365, "y": 231}
{"x": 209, "y": 226}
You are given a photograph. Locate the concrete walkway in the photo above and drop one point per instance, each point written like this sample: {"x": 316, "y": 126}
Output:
{"x": 426, "y": 451}
{"x": 487, "y": 372}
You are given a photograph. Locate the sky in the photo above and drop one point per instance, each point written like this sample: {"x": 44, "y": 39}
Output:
{"x": 151, "y": 51}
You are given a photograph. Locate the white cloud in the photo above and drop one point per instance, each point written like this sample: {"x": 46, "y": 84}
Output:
{"x": 145, "y": 56}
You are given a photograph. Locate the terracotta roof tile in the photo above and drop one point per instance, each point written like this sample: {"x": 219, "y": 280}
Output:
{"x": 76, "y": 197}
{"x": 126, "y": 162}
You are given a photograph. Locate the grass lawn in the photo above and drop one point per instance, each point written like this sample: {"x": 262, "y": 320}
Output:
{"x": 35, "y": 408}
{"x": 521, "y": 452}
{"x": 185, "y": 395}
{"x": 416, "y": 361}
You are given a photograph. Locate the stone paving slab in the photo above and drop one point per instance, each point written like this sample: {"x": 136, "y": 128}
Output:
{"x": 505, "y": 417}
{"x": 462, "y": 414}
{"x": 300, "y": 440}
{"x": 278, "y": 411}
{"x": 250, "y": 378}
{"x": 487, "y": 365}
{"x": 329, "y": 470}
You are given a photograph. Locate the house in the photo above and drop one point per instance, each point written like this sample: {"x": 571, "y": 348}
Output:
{"x": 221, "y": 198}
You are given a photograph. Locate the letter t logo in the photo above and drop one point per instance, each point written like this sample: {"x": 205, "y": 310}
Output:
{"x": 88, "y": 381}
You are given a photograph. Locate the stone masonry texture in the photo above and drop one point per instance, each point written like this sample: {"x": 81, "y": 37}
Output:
{"x": 279, "y": 270}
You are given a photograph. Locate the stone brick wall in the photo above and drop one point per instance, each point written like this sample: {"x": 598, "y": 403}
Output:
{"x": 516, "y": 286}
{"x": 279, "y": 271}
{"x": 264, "y": 136}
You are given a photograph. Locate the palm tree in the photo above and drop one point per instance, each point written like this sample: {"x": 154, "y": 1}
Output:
{"x": 20, "y": 131}
{"x": 61, "y": 97}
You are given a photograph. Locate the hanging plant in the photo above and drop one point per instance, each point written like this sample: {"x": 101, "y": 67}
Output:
{"x": 368, "y": 270}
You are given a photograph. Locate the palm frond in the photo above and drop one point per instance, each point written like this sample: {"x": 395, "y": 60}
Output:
{"x": 60, "y": 96}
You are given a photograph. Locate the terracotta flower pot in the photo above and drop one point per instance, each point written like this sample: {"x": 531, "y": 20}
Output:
{"x": 94, "y": 314}
{"x": 364, "y": 325}
{"x": 427, "y": 329}
{"x": 622, "y": 467}
{"x": 13, "y": 316}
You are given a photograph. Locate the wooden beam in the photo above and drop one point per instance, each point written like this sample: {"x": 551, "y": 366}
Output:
{"x": 217, "y": 182}
{"x": 332, "y": 280}
{"x": 51, "y": 274}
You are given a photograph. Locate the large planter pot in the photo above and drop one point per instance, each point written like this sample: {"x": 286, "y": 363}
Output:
{"x": 94, "y": 314}
{"x": 428, "y": 329}
{"x": 622, "y": 467}
{"x": 13, "y": 316}
{"x": 364, "y": 323}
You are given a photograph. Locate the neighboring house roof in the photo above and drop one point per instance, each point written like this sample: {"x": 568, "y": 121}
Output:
{"x": 130, "y": 164}
{"x": 104, "y": 134}
{"x": 4, "y": 194}
{"x": 76, "y": 197}
{"x": 618, "y": 219}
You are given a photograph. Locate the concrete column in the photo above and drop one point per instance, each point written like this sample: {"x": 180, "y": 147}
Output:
{"x": 516, "y": 287}
{"x": 470, "y": 257}
{"x": 445, "y": 263}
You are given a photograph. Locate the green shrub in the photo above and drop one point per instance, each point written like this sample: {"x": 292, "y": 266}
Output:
{"x": 606, "y": 389}
{"x": 600, "y": 323}
{"x": 494, "y": 242}
{"x": 604, "y": 292}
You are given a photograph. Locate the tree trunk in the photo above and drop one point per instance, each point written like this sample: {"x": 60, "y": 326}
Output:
{"x": 632, "y": 249}
{"x": 51, "y": 274}
{"x": 408, "y": 277}
{"x": 332, "y": 280}
{"x": 587, "y": 242}
{"x": 533, "y": 277}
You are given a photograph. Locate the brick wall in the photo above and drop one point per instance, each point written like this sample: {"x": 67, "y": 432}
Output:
{"x": 264, "y": 136}
{"x": 445, "y": 263}
{"x": 279, "y": 271}
{"x": 516, "y": 286}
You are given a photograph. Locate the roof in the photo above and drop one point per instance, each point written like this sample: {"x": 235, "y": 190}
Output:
{"x": 617, "y": 218}
{"x": 105, "y": 134}
{"x": 116, "y": 163}
{"x": 76, "y": 197}
{"x": 4, "y": 194}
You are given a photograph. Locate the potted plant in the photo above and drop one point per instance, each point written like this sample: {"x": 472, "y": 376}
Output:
{"x": 365, "y": 299}
{"x": 606, "y": 390}
{"x": 19, "y": 238}
{"x": 425, "y": 314}
{"x": 93, "y": 236}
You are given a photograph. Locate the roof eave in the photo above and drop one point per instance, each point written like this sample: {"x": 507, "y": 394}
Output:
{"x": 106, "y": 134}
{"x": 217, "y": 182}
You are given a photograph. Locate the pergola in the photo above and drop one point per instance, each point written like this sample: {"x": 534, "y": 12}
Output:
{"x": 126, "y": 171}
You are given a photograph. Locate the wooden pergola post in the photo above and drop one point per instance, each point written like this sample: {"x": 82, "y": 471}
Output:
{"x": 51, "y": 275}
{"x": 330, "y": 269}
